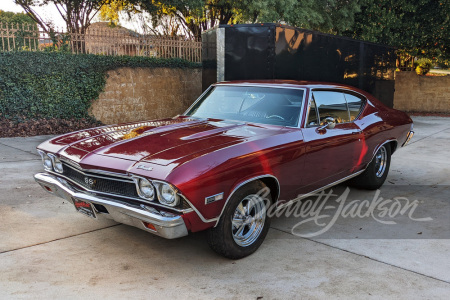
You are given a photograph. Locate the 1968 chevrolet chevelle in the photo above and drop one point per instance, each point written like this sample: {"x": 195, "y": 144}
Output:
{"x": 205, "y": 169}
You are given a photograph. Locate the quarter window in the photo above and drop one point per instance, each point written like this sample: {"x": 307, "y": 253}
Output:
{"x": 331, "y": 104}
{"x": 354, "y": 105}
{"x": 312, "y": 116}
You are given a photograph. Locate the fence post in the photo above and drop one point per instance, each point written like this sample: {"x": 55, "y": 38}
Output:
{"x": 7, "y": 34}
{"x": 1, "y": 35}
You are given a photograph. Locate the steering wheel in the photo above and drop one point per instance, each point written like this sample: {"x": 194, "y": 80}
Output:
{"x": 276, "y": 116}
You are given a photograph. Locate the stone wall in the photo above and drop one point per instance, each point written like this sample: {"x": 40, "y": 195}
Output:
{"x": 416, "y": 93}
{"x": 134, "y": 94}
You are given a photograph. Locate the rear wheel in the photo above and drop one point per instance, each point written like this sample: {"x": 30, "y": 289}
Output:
{"x": 244, "y": 223}
{"x": 376, "y": 172}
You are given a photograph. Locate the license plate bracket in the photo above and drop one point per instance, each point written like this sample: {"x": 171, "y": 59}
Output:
{"x": 84, "y": 208}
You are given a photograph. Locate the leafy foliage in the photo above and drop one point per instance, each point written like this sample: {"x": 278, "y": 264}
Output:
{"x": 331, "y": 16}
{"x": 195, "y": 16}
{"x": 77, "y": 14}
{"x": 423, "y": 66}
{"x": 36, "y": 85}
{"x": 421, "y": 27}
{"x": 15, "y": 18}
{"x": 110, "y": 10}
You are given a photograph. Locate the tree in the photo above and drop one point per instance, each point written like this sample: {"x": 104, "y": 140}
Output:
{"x": 15, "y": 18}
{"x": 330, "y": 16}
{"x": 110, "y": 10}
{"x": 417, "y": 27}
{"x": 77, "y": 14}
{"x": 195, "y": 16}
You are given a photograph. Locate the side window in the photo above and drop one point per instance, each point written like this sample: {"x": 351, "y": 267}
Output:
{"x": 331, "y": 104}
{"x": 312, "y": 115}
{"x": 354, "y": 105}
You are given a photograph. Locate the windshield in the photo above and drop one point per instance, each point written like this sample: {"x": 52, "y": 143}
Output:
{"x": 274, "y": 106}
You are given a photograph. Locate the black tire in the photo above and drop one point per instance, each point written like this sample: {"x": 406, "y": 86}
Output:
{"x": 371, "y": 179}
{"x": 225, "y": 238}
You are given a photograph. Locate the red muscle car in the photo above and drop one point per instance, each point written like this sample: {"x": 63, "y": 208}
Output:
{"x": 205, "y": 169}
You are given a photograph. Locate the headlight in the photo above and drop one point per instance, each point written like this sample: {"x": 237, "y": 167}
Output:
{"x": 46, "y": 160}
{"x": 167, "y": 194}
{"x": 152, "y": 189}
{"x": 146, "y": 189}
{"x": 57, "y": 164}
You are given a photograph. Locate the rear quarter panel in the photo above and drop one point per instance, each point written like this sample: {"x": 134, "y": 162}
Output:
{"x": 379, "y": 125}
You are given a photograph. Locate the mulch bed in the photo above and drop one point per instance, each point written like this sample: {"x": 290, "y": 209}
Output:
{"x": 13, "y": 128}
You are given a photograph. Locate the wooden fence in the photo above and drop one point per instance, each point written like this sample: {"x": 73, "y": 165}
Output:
{"x": 98, "y": 40}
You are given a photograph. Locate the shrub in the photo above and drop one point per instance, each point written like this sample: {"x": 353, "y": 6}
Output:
{"x": 422, "y": 66}
{"x": 36, "y": 85}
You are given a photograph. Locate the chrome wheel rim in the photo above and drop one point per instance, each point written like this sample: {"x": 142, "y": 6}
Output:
{"x": 380, "y": 161}
{"x": 248, "y": 220}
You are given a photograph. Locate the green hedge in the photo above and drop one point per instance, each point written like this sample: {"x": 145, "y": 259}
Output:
{"x": 36, "y": 85}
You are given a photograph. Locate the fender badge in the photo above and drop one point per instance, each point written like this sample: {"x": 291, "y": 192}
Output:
{"x": 213, "y": 198}
{"x": 143, "y": 167}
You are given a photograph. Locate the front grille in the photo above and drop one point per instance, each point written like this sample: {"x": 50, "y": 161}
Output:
{"x": 101, "y": 184}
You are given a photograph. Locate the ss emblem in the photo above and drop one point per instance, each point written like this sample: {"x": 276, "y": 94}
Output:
{"x": 89, "y": 181}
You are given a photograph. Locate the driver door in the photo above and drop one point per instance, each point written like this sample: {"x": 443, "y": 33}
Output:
{"x": 331, "y": 153}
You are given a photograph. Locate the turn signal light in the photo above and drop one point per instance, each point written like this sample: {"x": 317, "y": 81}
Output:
{"x": 149, "y": 226}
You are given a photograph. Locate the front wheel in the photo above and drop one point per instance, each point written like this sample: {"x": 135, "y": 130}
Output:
{"x": 376, "y": 172}
{"x": 244, "y": 223}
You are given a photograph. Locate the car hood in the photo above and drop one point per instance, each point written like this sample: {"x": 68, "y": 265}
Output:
{"x": 164, "y": 142}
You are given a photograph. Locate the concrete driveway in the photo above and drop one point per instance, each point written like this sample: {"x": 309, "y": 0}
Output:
{"x": 47, "y": 250}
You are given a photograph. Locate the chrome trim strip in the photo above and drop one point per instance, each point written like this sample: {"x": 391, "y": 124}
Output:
{"x": 198, "y": 99}
{"x": 331, "y": 87}
{"x": 274, "y": 85}
{"x": 320, "y": 189}
{"x": 77, "y": 167}
{"x": 199, "y": 213}
{"x": 130, "y": 180}
{"x": 308, "y": 109}
{"x": 72, "y": 163}
{"x": 379, "y": 146}
{"x": 184, "y": 211}
{"x": 243, "y": 183}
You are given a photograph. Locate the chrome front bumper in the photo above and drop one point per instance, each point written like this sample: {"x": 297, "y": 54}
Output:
{"x": 167, "y": 227}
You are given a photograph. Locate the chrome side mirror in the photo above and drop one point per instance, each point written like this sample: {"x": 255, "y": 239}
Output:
{"x": 330, "y": 123}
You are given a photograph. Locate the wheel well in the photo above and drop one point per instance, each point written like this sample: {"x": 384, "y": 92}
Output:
{"x": 272, "y": 184}
{"x": 393, "y": 145}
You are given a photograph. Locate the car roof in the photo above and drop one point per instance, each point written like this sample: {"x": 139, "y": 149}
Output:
{"x": 291, "y": 83}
